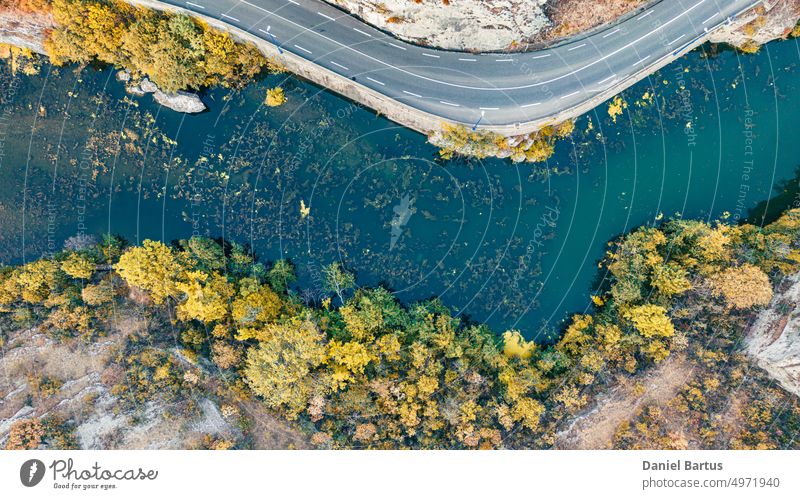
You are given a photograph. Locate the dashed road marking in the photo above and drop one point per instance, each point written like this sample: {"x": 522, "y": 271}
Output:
{"x": 710, "y": 18}
{"x": 576, "y": 47}
{"x": 541, "y": 56}
{"x": 611, "y": 33}
{"x": 503, "y": 60}
{"x": 570, "y": 95}
{"x": 641, "y": 60}
{"x": 605, "y": 80}
{"x": 231, "y": 18}
{"x": 412, "y": 94}
{"x": 430, "y": 55}
{"x": 397, "y": 46}
{"x": 530, "y": 105}
{"x": 326, "y": 16}
{"x": 488, "y": 108}
{"x": 675, "y": 40}
{"x": 195, "y": 5}
{"x": 376, "y": 81}
{"x": 337, "y": 64}
{"x": 365, "y": 34}
{"x": 466, "y": 59}
{"x": 449, "y": 103}
{"x": 646, "y": 14}
{"x": 303, "y": 49}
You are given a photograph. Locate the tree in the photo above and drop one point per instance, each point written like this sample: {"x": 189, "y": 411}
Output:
{"x": 275, "y": 97}
{"x": 207, "y": 252}
{"x": 25, "y": 434}
{"x": 651, "y": 321}
{"x": 281, "y": 275}
{"x": 742, "y": 287}
{"x": 206, "y": 297}
{"x": 152, "y": 267}
{"x": 37, "y": 280}
{"x": 337, "y": 279}
{"x": 98, "y": 294}
{"x": 78, "y": 265}
{"x": 256, "y": 303}
{"x": 279, "y": 368}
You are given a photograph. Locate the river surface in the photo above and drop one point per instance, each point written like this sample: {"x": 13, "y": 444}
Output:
{"x": 514, "y": 245}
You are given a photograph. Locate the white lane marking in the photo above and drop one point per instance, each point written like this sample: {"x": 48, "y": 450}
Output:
{"x": 412, "y": 93}
{"x": 231, "y": 18}
{"x": 365, "y": 34}
{"x": 541, "y": 56}
{"x": 599, "y": 60}
{"x": 466, "y": 60}
{"x": 675, "y": 40}
{"x": 449, "y": 103}
{"x": 376, "y": 81}
{"x": 576, "y": 47}
{"x": 303, "y": 49}
{"x": 337, "y": 64}
{"x": 430, "y": 55}
{"x": 326, "y": 16}
{"x": 646, "y": 14}
{"x": 195, "y": 5}
{"x": 292, "y": 1}
{"x": 503, "y": 60}
{"x": 710, "y": 18}
{"x": 488, "y": 108}
{"x": 530, "y": 105}
{"x": 266, "y": 32}
{"x": 611, "y": 33}
{"x": 641, "y": 60}
{"x": 610, "y": 77}
{"x": 397, "y": 46}
{"x": 570, "y": 95}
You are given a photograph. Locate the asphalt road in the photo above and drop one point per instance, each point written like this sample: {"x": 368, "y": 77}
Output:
{"x": 490, "y": 88}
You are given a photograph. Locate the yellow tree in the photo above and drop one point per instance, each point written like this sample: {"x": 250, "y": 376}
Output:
{"x": 206, "y": 297}
{"x": 256, "y": 303}
{"x": 742, "y": 287}
{"x": 280, "y": 368}
{"x": 152, "y": 267}
{"x": 78, "y": 266}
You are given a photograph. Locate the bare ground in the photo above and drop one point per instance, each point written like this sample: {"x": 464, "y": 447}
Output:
{"x": 595, "y": 428}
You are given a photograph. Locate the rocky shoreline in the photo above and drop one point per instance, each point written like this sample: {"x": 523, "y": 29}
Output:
{"x": 29, "y": 31}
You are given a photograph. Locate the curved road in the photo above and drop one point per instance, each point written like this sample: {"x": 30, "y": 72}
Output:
{"x": 490, "y": 88}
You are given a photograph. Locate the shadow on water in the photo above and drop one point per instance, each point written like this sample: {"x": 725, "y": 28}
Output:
{"x": 787, "y": 197}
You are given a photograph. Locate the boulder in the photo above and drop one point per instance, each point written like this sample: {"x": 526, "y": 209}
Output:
{"x": 183, "y": 102}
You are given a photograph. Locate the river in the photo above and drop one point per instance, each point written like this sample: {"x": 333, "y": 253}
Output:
{"x": 513, "y": 245}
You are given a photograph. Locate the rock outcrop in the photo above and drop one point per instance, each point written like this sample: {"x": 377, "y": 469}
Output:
{"x": 183, "y": 102}
{"x": 772, "y": 20}
{"x": 483, "y": 25}
{"x": 773, "y": 340}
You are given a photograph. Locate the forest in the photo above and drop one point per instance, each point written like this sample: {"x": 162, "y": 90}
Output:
{"x": 358, "y": 369}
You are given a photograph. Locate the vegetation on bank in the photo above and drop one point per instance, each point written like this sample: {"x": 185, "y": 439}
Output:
{"x": 359, "y": 369}
{"x": 174, "y": 51}
{"x": 534, "y": 147}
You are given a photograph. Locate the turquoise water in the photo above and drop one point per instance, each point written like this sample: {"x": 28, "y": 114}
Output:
{"x": 515, "y": 245}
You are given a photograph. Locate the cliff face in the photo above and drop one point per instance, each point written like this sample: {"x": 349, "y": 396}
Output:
{"x": 24, "y": 29}
{"x": 772, "y": 20}
{"x": 773, "y": 341}
{"x": 481, "y": 25}
{"x": 491, "y": 25}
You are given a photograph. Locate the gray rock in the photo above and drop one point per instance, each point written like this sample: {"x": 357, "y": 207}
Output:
{"x": 148, "y": 86}
{"x": 123, "y": 75}
{"x": 183, "y": 102}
